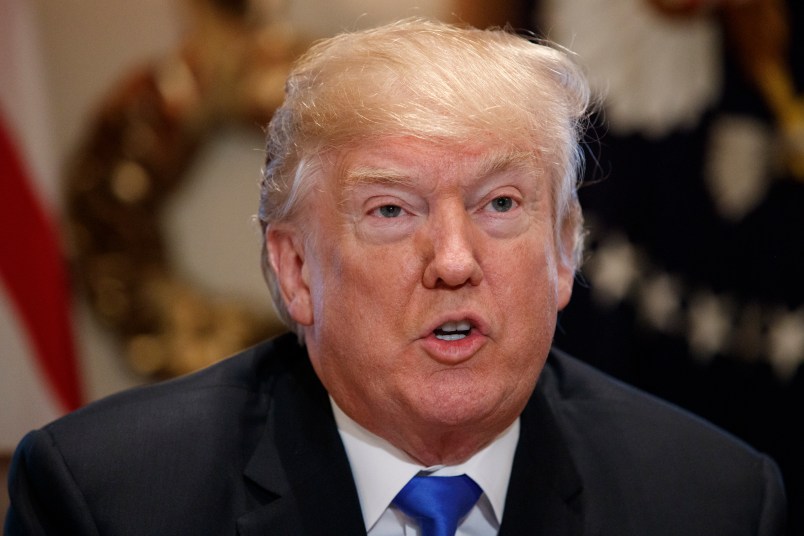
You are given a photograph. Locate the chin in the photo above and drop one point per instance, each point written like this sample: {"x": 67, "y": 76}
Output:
{"x": 469, "y": 408}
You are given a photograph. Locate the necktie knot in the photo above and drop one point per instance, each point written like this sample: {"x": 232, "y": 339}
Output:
{"x": 438, "y": 503}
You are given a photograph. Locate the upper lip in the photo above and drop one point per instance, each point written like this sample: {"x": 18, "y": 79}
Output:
{"x": 474, "y": 320}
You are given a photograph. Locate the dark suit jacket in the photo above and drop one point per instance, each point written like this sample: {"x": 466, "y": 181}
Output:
{"x": 249, "y": 446}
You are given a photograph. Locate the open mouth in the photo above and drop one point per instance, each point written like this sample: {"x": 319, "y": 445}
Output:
{"x": 453, "y": 331}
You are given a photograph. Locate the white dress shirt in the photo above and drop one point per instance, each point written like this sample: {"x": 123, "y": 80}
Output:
{"x": 381, "y": 470}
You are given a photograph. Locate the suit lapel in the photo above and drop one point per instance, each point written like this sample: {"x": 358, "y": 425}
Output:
{"x": 304, "y": 481}
{"x": 544, "y": 494}
{"x": 301, "y": 483}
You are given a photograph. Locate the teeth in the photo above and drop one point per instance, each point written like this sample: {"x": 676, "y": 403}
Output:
{"x": 455, "y": 326}
{"x": 453, "y": 337}
{"x": 453, "y": 331}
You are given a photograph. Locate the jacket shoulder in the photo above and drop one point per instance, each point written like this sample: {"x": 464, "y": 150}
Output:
{"x": 655, "y": 464}
{"x": 227, "y": 386}
{"x": 163, "y": 455}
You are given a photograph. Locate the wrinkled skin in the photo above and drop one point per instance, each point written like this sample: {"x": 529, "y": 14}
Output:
{"x": 407, "y": 237}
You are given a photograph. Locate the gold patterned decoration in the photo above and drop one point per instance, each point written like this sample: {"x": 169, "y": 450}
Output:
{"x": 230, "y": 68}
{"x": 759, "y": 33}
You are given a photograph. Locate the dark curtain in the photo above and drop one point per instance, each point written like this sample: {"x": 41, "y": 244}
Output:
{"x": 652, "y": 192}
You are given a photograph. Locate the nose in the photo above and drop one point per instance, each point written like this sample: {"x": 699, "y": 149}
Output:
{"x": 453, "y": 260}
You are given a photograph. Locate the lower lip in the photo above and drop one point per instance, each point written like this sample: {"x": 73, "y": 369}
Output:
{"x": 453, "y": 352}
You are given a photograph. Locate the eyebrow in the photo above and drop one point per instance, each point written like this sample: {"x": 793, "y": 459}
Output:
{"x": 358, "y": 176}
{"x": 495, "y": 163}
{"x": 513, "y": 160}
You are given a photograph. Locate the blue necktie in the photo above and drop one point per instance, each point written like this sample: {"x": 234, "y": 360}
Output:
{"x": 438, "y": 503}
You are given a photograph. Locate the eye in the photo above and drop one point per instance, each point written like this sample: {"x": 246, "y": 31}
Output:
{"x": 501, "y": 204}
{"x": 389, "y": 211}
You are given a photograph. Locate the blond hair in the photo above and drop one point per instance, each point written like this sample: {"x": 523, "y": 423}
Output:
{"x": 432, "y": 81}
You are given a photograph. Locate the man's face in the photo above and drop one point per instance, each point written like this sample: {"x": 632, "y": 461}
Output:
{"x": 429, "y": 287}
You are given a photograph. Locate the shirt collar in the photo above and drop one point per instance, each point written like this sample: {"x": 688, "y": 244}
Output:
{"x": 380, "y": 469}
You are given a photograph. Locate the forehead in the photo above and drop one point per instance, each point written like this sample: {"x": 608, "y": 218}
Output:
{"x": 410, "y": 161}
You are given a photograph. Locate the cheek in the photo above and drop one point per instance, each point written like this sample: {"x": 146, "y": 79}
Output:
{"x": 363, "y": 288}
{"x": 528, "y": 295}
{"x": 381, "y": 276}
{"x": 525, "y": 270}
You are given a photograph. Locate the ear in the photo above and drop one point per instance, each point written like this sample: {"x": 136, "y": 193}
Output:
{"x": 287, "y": 257}
{"x": 566, "y": 261}
{"x": 566, "y": 278}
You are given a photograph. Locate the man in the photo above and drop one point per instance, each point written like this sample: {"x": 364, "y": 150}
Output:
{"x": 421, "y": 234}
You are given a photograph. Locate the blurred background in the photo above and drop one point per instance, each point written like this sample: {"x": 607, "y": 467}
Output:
{"x": 130, "y": 150}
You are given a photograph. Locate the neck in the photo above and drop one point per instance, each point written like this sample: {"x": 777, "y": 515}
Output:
{"x": 439, "y": 446}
